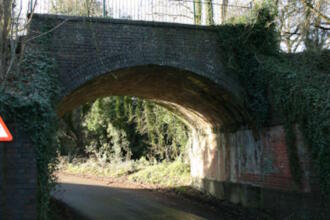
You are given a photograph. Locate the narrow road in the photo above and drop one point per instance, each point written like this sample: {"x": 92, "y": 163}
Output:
{"x": 97, "y": 200}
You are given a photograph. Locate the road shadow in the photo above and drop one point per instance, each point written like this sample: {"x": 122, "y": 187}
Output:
{"x": 62, "y": 211}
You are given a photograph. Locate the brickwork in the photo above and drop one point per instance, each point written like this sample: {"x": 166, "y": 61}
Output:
{"x": 168, "y": 62}
{"x": 259, "y": 161}
{"x": 18, "y": 177}
{"x": 254, "y": 170}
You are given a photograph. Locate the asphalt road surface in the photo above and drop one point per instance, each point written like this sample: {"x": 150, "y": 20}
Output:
{"x": 98, "y": 200}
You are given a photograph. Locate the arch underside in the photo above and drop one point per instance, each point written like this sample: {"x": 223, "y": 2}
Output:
{"x": 196, "y": 99}
{"x": 206, "y": 107}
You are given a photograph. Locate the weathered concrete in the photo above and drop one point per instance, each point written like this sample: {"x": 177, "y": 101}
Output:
{"x": 181, "y": 67}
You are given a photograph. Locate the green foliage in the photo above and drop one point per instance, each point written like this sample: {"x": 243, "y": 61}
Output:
{"x": 247, "y": 43}
{"x": 306, "y": 102}
{"x": 28, "y": 96}
{"x": 296, "y": 86}
{"x": 124, "y": 128}
{"x": 164, "y": 174}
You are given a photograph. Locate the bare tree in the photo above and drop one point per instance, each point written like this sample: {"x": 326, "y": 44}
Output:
{"x": 12, "y": 26}
{"x": 303, "y": 24}
{"x": 314, "y": 34}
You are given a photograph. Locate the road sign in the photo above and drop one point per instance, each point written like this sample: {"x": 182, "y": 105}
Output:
{"x": 5, "y": 135}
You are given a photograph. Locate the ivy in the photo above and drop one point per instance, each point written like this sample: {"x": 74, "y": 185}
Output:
{"x": 27, "y": 99}
{"x": 127, "y": 128}
{"x": 295, "y": 86}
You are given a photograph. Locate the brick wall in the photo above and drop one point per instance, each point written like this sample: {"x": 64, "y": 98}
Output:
{"x": 18, "y": 177}
{"x": 242, "y": 157}
{"x": 254, "y": 170}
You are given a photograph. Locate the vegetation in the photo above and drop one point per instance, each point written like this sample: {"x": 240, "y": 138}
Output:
{"x": 166, "y": 174}
{"x": 126, "y": 137}
{"x": 292, "y": 85}
{"x": 302, "y": 24}
{"x": 28, "y": 88}
{"x": 123, "y": 128}
{"x": 161, "y": 174}
{"x": 29, "y": 96}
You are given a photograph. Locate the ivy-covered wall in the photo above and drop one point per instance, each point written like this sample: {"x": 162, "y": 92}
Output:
{"x": 27, "y": 99}
{"x": 295, "y": 88}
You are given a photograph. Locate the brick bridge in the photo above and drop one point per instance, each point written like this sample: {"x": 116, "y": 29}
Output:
{"x": 179, "y": 66}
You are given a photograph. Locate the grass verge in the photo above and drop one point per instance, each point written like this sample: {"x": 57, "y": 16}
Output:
{"x": 164, "y": 174}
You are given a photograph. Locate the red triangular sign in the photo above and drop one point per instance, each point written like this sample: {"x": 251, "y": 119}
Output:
{"x": 5, "y": 135}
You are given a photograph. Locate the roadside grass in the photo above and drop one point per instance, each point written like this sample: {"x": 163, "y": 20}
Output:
{"x": 162, "y": 174}
{"x": 165, "y": 174}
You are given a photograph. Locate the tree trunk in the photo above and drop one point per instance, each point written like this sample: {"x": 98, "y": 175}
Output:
{"x": 224, "y": 11}
{"x": 198, "y": 12}
{"x": 209, "y": 12}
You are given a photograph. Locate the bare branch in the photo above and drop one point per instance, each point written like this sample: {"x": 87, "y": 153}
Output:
{"x": 315, "y": 11}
